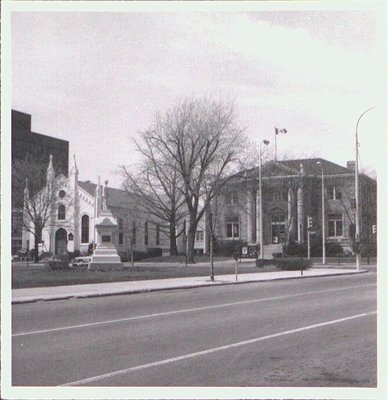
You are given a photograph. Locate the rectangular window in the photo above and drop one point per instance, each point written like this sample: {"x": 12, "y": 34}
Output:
{"x": 232, "y": 229}
{"x": 334, "y": 193}
{"x": 121, "y": 238}
{"x": 335, "y": 225}
{"x": 199, "y": 236}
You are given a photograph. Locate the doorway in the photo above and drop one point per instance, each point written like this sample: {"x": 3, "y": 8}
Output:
{"x": 60, "y": 242}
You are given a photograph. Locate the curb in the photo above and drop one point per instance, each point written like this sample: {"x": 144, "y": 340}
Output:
{"x": 194, "y": 286}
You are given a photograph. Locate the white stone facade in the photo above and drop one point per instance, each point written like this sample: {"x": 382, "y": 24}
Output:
{"x": 78, "y": 208}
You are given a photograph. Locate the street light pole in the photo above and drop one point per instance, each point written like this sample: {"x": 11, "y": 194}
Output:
{"x": 356, "y": 189}
{"x": 265, "y": 142}
{"x": 323, "y": 217}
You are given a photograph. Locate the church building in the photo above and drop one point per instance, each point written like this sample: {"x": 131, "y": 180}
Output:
{"x": 87, "y": 217}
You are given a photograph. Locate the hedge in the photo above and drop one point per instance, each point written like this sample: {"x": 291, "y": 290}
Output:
{"x": 140, "y": 255}
{"x": 288, "y": 264}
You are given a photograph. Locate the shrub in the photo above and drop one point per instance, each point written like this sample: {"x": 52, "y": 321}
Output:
{"x": 59, "y": 262}
{"x": 265, "y": 262}
{"x": 227, "y": 248}
{"x": 286, "y": 264}
{"x": 296, "y": 249}
{"x": 293, "y": 264}
{"x": 333, "y": 249}
{"x": 154, "y": 252}
{"x": 369, "y": 250}
{"x": 277, "y": 255}
{"x": 140, "y": 255}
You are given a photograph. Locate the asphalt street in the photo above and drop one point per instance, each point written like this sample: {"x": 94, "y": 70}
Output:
{"x": 310, "y": 333}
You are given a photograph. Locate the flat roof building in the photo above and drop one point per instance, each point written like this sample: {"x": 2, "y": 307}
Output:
{"x": 36, "y": 148}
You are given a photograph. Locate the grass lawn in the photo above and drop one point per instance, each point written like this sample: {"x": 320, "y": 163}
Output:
{"x": 38, "y": 276}
{"x": 181, "y": 259}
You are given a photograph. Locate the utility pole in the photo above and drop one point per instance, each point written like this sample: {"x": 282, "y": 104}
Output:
{"x": 357, "y": 195}
{"x": 323, "y": 216}
{"x": 266, "y": 143}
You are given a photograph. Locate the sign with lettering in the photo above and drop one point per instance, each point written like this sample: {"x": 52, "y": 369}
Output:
{"x": 249, "y": 252}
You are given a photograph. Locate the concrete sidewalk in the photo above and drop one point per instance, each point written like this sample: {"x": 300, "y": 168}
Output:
{"x": 117, "y": 288}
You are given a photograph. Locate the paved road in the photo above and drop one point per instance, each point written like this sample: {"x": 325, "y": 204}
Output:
{"x": 313, "y": 332}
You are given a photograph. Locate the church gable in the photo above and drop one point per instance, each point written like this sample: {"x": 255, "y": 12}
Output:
{"x": 85, "y": 196}
{"x": 61, "y": 181}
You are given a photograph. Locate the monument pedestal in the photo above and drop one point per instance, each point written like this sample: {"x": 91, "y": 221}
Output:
{"x": 105, "y": 254}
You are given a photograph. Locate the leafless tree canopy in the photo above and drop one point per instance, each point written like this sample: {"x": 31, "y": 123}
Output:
{"x": 187, "y": 153}
{"x": 30, "y": 193}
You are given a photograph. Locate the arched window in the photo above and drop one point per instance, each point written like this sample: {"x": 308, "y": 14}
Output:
{"x": 85, "y": 229}
{"x": 146, "y": 233}
{"x": 61, "y": 212}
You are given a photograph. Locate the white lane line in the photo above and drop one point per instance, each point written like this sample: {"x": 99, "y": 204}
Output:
{"x": 187, "y": 310}
{"x": 212, "y": 350}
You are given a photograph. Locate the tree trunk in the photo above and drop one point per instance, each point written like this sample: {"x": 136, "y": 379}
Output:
{"x": 211, "y": 257}
{"x": 190, "y": 244}
{"x": 36, "y": 247}
{"x": 173, "y": 247}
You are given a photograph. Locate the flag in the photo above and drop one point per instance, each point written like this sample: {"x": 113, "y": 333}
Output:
{"x": 277, "y": 131}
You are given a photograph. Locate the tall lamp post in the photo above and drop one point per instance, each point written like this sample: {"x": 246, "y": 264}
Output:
{"x": 266, "y": 143}
{"x": 356, "y": 189}
{"x": 323, "y": 217}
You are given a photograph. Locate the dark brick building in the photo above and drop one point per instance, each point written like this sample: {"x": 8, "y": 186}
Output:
{"x": 37, "y": 148}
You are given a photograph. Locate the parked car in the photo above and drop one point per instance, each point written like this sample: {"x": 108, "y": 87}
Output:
{"x": 58, "y": 262}
{"x": 82, "y": 261}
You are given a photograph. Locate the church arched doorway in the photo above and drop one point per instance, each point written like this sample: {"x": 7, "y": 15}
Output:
{"x": 60, "y": 242}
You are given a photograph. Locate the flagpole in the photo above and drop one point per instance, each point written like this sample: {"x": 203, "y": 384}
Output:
{"x": 275, "y": 145}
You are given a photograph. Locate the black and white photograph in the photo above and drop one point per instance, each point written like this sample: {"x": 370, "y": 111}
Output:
{"x": 193, "y": 200}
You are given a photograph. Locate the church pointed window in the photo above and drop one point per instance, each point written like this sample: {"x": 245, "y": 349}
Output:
{"x": 85, "y": 229}
{"x": 61, "y": 212}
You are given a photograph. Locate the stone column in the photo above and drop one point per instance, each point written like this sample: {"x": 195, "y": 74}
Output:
{"x": 291, "y": 210}
{"x": 257, "y": 215}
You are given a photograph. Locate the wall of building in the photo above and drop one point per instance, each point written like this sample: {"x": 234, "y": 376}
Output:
{"x": 339, "y": 208}
{"x": 37, "y": 148}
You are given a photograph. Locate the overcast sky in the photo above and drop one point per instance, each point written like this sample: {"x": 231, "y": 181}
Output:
{"x": 97, "y": 79}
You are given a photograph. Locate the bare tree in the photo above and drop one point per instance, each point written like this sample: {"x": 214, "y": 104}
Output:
{"x": 33, "y": 196}
{"x": 127, "y": 232}
{"x": 156, "y": 182}
{"x": 201, "y": 139}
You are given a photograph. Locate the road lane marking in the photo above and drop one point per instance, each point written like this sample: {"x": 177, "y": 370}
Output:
{"x": 212, "y": 350}
{"x": 187, "y": 310}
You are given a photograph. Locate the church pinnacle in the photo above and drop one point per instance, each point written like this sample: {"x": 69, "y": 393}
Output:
{"x": 50, "y": 171}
